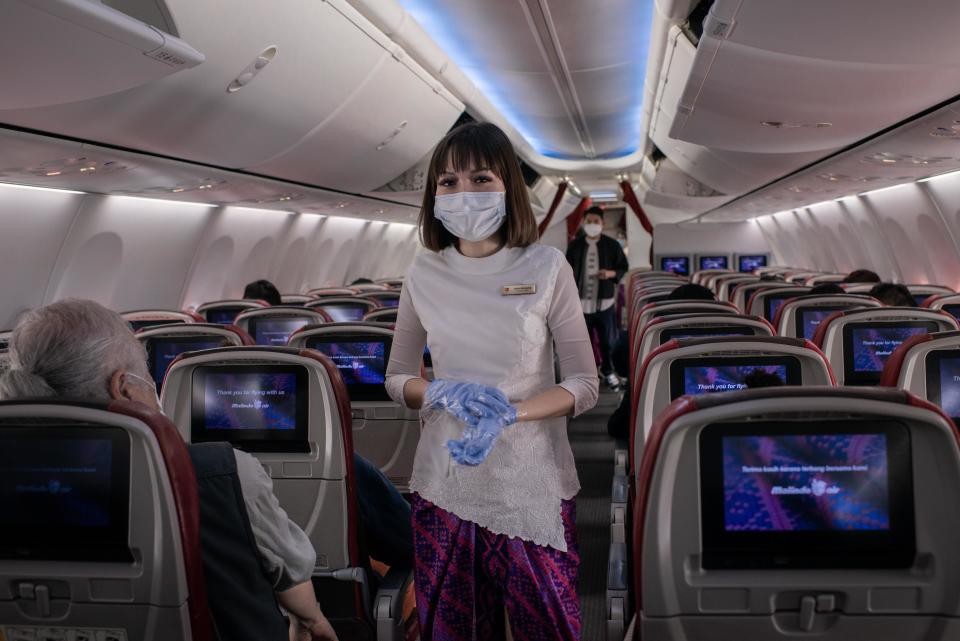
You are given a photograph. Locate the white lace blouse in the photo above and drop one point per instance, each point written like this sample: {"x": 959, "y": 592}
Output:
{"x": 456, "y": 305}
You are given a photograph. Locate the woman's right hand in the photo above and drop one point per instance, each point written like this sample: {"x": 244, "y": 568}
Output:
{"x": 463, "y": 399}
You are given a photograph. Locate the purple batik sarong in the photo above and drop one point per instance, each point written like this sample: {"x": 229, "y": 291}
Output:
{"x": 465, "y": 575}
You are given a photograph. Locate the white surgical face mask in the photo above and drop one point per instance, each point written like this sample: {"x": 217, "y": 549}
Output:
{"x": 471, "y": 215}
{"x": 593, "y": 229}
{"x": 151, "y": 384}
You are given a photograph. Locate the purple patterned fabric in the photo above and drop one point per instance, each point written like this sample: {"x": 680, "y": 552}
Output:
{"x": 465, "y": 575}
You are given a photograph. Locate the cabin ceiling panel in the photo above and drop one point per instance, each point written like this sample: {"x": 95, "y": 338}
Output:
{"x": 593, "y": 53}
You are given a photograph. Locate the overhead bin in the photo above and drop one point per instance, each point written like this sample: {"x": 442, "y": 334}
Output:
{"x": 61, "y": 51}
{"x": 333, "y": 90}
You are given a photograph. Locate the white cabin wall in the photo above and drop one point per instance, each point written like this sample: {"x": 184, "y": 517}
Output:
{"x": 909, "y": 233}
{"x": 134, "y": 253}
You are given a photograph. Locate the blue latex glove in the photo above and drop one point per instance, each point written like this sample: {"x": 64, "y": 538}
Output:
{"x": 478, "y": 440}
{"x": 465, "y": 401}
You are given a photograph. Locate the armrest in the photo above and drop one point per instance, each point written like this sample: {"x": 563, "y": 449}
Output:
{"x": 388, "y": 604}
{"x": 617, "y": 591}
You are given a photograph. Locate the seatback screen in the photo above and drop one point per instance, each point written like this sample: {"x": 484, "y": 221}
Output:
{"x": 713, "y": 262}
{"x": 137, "y": 325}
{"x": 774, "y": 302}
{"x": 388, "y": 301}
{"x": 751, "y": 262}
{"x": 223, "y": 315}
{"x": 361, "y": 361}
{"x": 867, "y": 346}
{"x": 275, "y": 331}
{"x": 64, "y": 493}
{"x": 703, "y": 332}
{"x": 730, "y": 373}
{"x": 953, "y": 310}
{"x": 806, "y": 494}
{"x": 162, "y": 350}
{"x": 345, "y": 313}
{"x": 943, "y": 381}
{"x": 809, "y": 319}
{"x": 675, "y": 264}
{"x": 919, "y": 298}
{"x": 255, "y": 407}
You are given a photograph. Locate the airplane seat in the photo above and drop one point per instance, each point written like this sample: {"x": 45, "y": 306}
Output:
{"x": 695, "y": 366}
{"x": 785, "y": 513}
{"x": 163, "y": 344}
{"x": 364, "y": 288}
{"x": 921, "y": 293}
{"x": 290, "y": 408}
{"x": 821, "y": 279}
{"x": 381, "y": 315}
{"x": 295, "y": 299}
{"x": 4, "y": 350}
{"x": 344, "y": 309}
{"x": 858, "y": 288}
{"x": 225, "y": 312}
{"x": 384, "y": 432}
{"x": 106, "y": 541}
{"x": 701, "y": 275}
{"x": 767, "y": 302}
{"x": 384, "y": 299}
{"x": 143, "y": 318}
{"x": 320, "y": 292}
{"x": 949, "y": 303}
{"x": 740, "y": 293}
{"x": 723, "y": 286}
{"x": 928, "y": 365}
{"x": 799, "y": 317}
{"x": 858, "y": 342}
{"x": 272, "y": 326}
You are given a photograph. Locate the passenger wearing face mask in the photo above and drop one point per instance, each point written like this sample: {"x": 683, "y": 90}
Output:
{"x": 494, "y": 479}
{"x": 599, "y": 263}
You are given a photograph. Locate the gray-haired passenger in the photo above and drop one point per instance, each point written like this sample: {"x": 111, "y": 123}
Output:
{"x": 78, "y": 349}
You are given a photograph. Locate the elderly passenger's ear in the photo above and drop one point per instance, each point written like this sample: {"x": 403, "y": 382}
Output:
{"x": 130, "y": 387}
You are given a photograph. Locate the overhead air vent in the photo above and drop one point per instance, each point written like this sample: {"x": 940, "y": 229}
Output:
{"x": 888, "y": 158}
{"x": 952, "y": 131}
{"x": 87, "y": 50}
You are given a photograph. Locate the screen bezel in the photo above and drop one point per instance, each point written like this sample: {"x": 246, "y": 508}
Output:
{"x": 826, "y": 308}
{"x": 362, "y": 308}
{"x": 716, "y": 309}
{"x": 685, "y": 259}
{"x": 254, "y": 322}
{"x": 223, "y": 310}
{"x": 740, "y": 258}
{"x": 893, "y": 548}
{"x": 77, "y": 543}
{"x": 677, "y": 367}
{"x": 725, "y": 258}
{"x": 934, "y": 384}
{"x": 710, "y": 331}
{"x": 185, "y": 339}
{"x": 295, "y": 440}
{"x": 852, "y": 377}
{"x": 359, "y": 391}
{"x": 149, "y": 323}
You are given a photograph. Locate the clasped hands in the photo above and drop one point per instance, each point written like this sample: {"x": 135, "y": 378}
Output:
{"x": 485, "y": 409}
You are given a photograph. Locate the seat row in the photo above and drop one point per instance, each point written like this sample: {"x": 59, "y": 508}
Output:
{"x": 693, "y": 349}
{"x": 137, "y": 563}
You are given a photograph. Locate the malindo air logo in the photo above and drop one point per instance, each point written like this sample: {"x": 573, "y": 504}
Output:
{"x": 818, "y": 487}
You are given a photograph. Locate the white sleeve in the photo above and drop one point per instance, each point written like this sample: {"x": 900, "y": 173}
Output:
{"x": 578, "y": 369}
{"x": 406, "y": 354}
{"x": 286, "y": 553}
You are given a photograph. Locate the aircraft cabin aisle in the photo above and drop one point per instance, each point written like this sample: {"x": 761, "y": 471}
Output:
{"x": 314, "y": 315}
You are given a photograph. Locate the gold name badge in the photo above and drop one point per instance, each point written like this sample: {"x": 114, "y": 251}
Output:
{"x": 518, "y": 290}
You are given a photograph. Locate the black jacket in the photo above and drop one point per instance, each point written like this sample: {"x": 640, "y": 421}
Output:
{"x": 611, "y": 257}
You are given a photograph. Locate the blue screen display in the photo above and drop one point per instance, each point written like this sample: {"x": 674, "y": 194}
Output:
{"x": 222, "y": 316}
{"x": 750, "y": 263}
{"x": 276, "y": 331}
{"x": 359, "y": 362}
{"x": 250, "y": 401}
{"x": 727, "y": 378}
{"x": 809, "y": 482}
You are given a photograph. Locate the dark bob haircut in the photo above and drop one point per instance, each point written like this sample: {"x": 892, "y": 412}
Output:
{"x": 483, "y": 145}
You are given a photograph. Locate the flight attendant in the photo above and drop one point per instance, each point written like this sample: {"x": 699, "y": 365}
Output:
{"x": 494, "y": 478}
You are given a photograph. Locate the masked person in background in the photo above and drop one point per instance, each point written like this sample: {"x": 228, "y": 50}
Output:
{"x": 599, "y": 263}
{"x": 494, "y": 478}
